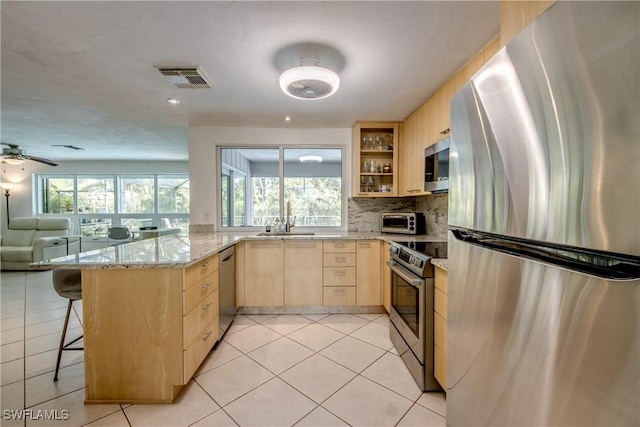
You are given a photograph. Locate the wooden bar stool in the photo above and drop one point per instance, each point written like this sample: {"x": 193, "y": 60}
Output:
{"x": 68, "y": 284}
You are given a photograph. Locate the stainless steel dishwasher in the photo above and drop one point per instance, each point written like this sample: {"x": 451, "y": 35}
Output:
{"x": 227, "y": 288}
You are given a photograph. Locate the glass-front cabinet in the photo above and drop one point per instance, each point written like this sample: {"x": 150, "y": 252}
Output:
{"x": 375, "y": 154}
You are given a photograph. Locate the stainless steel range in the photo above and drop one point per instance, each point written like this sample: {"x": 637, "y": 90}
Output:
{"x": 411, "y": 316}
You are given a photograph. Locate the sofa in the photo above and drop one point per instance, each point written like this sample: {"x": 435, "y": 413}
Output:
{"x": 33, "y": 239}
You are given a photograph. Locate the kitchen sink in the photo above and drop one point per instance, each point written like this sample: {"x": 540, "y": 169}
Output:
{"x": 284, "y": 233}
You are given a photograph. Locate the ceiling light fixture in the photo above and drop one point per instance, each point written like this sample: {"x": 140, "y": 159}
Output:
{"x": 13, "y": 160}
{"x": 305, "y": 159}
{"x": 173, "y": 101}
{"x": 308, "y": 81}
{"x": 287, "y": 118}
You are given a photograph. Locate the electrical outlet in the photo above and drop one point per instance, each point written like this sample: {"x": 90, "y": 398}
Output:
{"x": 207, "y": 217}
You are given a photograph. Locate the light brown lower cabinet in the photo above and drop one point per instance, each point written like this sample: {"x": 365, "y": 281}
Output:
{"x": 302, "y": 272}
{"x": 440, "y": 326}
{"x": 385, "y": 257}
{"x": 368, "y": 285}
{"x": 146, "y": 331}
{"x": 264, "y": 273}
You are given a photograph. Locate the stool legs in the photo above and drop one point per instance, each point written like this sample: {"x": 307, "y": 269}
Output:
{"x": 64, "y": 346}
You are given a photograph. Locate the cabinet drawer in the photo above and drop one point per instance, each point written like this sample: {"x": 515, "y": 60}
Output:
{"x": 339, "y": 276}
{"x": 199, "y": 348}
{"x": 440, "y": 333}
{"x": 199, "y": 317}
{"x": 440, "y": 303}
{"x": 200, "y": 270}
{"x": 339, "y": 295}
{"x": 339, "y": 260}
{"x": 440, "y": 367}
{"x": 196, "y": 293}
{"x": 339, "y": 245}
{"x": 441, "y": 279}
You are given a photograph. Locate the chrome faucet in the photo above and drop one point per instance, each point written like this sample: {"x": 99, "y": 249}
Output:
{"x": 288, "y": 223}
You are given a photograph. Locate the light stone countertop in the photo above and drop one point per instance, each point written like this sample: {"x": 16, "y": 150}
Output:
{"x": 182, "y": 250}
{"x": 440, "y": 262}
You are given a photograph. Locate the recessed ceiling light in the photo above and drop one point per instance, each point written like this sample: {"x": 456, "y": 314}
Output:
{"x": 287, "y": 118}
{"x": 173, "y": 101}
{"x": 305, "y": 159}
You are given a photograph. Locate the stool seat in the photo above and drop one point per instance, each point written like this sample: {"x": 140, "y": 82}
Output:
{"x": 68, "y": 284}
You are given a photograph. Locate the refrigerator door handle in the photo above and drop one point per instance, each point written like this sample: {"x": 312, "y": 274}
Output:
{"x": 605, "y": 265}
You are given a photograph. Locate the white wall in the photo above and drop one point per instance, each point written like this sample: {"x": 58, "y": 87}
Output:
{"x": 203, "y": 170}
{"x": 22, "y": 201}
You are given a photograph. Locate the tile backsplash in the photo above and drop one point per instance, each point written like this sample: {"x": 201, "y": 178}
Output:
{"x": 364, "y": 214}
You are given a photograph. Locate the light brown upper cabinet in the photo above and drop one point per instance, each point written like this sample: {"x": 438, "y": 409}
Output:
{"x": 375, "y": 159}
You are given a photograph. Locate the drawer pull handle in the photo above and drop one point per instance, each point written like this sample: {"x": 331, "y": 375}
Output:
{"x": 206, "y": 286}
{"x": 206, "y": 307}
{"x": 341, "y": 259}
{"x": 364, "y": 245}
{"x": 340, "y": 273}
{"x": 339, "y": 245}
{"x": 206, "y": 336}
{"x": 206, "y": 264}
{"x": 340, "y": 292}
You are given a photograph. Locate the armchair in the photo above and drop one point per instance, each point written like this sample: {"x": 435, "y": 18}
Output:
{"x": 33, "y": 239}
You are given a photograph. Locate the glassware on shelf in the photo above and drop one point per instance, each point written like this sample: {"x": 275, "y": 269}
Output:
{"x": 386, "y": 168}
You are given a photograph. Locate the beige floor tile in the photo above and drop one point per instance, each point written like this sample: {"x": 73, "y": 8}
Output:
{"x": 419, "y": 416}
{"x": 117, "y": 419}
{"x": 365, "y": 403}
{"x": 12, "y": 396}
{"x": 45, "y": 316}
{"x": 217, "y": 419}
{"x": 259, "y": 318}
{"x": 280, "y": 354}
{"x": 352, "y": 353}
{"x": 9, "y": 309}
{"x": 12, "y": 371}
{"x": 391, "y": 372}
{"x": 13, "y": 351}
{"x": 79, "y": 414}
{"x": 286, "y": 323}
{"x": 374, "y": 334}
{"x": 42, "y": 363}
{"x": 12, "y": 335}
{"x": 53, "y": 326}
{"x": 51, "y": 341}
{"x": 435, "y": 401}
{"x": 315, "y": 317}
{"x": 252, "y": 337}
{"x": 52, "y": 304}
{"x": 192, "y": 405}
{"x": 42, "y": 388}
{"x": 345, "y": 323}
{"x": 320, "y": 417}
{"x": 12, "y": 323}
{"x": 370, "y": 317}
{"x": 239, "y": 323}
{"x": 274, "y": 403}
{"x": 315, "y": 336}
{"x": 318, "y": 377}
{"x": 222, "y": 353}
{"x": 233, "y": 379}
{"x": 383, "y": 320}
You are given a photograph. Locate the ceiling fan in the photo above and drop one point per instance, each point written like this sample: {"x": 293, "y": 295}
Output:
{"x": 14, "y": 155}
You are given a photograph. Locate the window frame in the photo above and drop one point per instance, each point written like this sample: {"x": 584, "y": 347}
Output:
{"x": 344, "y": 186}
{"x": 116, "y": 217}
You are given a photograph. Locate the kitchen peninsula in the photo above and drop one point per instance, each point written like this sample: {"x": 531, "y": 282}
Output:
{"x": 150, "y": 308}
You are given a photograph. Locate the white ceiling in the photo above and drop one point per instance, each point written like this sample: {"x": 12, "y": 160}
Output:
{"x": 83, "y": 73}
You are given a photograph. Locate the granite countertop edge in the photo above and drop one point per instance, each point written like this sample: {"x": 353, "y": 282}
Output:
{"x": 441, "y": 263}
{"x": 184, "y": 250}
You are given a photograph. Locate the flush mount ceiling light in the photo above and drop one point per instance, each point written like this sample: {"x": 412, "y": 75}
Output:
{"x": 173, "y": 101}
{"x": 14, "y": 160}
{"x": 305, "y": 159}
{"x": 308, "y": 81}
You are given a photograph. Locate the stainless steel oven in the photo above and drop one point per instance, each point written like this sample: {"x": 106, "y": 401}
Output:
{"x": 412, "y": 319}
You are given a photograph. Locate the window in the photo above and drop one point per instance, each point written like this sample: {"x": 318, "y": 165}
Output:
{"x": 310, "y": 179}
{"x": 95, "y": 202}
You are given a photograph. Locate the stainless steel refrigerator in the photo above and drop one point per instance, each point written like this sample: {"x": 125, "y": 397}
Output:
{"x": 544, "y": 240}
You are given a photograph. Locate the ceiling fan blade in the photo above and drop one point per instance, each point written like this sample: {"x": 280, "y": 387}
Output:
{"x": 41, "y": 160}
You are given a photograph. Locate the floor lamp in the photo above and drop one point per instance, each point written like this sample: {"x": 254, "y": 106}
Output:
{"x": 7, "y": 192}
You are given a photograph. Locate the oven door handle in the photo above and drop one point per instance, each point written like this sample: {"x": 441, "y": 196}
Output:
{"x": 405, "y": 275}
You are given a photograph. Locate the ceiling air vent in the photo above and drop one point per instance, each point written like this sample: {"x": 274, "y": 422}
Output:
{"x": 186, "y": 78}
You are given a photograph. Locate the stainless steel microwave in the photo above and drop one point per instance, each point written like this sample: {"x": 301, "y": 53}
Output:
{"x": 436, "y": 167}
{"x": 403, "y": 223}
